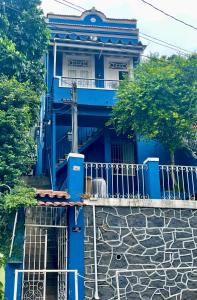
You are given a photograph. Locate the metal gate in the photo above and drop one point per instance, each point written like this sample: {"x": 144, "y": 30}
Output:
{"x": 45, "y": 247}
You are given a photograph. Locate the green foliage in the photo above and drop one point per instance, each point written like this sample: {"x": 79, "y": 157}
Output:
{"x": 24, "y": 40}
{"x": 1, "y": 291}
{"x": 18, "y": 111}
{"x": 19, "y": 196}
{"x": 161, "y": 103}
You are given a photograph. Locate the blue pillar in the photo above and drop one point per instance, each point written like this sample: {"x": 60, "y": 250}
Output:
{"x": 10, "y": 279}
{"x": 75, "y": 181}
{"x": 53, "y": 154}
{"x": 152, "y": 179}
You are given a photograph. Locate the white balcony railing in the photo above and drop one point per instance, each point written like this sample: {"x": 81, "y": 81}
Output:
{"x": 178, "y": 182}
{"x": 90, "y": 83}
{"x": 111, "y": 180}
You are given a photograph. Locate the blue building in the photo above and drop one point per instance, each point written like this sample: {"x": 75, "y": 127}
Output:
{"x": 82, "y": 163}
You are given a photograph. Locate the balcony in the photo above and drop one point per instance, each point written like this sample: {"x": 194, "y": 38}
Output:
{"x": 90, "y": 83}
{"x": 95, "y": 92}
{"x": 140, "y": 181}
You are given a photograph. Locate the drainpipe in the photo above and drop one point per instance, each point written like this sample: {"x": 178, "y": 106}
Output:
{"x": 13, "y": 233}
{"x": 96, "y": 296}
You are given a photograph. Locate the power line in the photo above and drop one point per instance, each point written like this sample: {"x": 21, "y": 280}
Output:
{"x": 169, "y": 44}
{"x": 67, "y": 5}
{"x": 168, "y": 15}
{"x": 80, "y": 7}
{"x": 176, "y": 49}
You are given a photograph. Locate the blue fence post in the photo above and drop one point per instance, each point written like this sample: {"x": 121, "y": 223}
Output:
{"x": 75, "y": 182}
{"x": 152, "y": 178}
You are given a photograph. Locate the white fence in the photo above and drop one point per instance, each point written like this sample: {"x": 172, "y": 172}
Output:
{"x": 111, "y": 180}
{"x": 178, "y": 182}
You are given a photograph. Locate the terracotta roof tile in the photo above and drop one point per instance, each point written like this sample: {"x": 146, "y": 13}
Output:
{"x": 60, "y": 204}
{"x": 52, "y": 194}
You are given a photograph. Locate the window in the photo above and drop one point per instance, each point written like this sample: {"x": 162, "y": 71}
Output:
{"x": 123, "y": 153}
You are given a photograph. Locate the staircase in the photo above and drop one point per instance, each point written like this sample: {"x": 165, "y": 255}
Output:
{"x": 85, "y": 139}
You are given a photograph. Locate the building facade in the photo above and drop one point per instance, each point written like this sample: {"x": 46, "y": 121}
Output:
{"x": 114, "y": 220}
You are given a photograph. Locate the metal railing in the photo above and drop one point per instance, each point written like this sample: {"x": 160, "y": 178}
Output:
{"x": 90, "y": 83}
{"x": 38, "y": 291}
{"x": 115, "y": 180}
{"x": 178, "y": 182}
{"x": 63, "y": 147}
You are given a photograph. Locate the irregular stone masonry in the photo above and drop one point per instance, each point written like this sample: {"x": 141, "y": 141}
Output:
{"x": 140, "y": 238}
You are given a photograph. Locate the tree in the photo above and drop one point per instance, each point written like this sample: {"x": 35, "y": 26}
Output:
{"x": 23, "y": 41}
{"x": 18, "y": 111}
{"x": 160, "y": 104}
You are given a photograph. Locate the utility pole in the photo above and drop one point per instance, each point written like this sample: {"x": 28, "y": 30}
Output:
{"x": 74, "y": 119}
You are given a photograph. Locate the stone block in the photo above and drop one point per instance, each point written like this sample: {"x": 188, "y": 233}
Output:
{"x": 138, "y": 220}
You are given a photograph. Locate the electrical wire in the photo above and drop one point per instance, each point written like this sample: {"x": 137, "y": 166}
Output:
{"x": 168, "y": 15}
{"x": 80, "y": 7}
{"x": 177, "y": 50}
{"x": 67, "y": 5}
{"x": 168, "y": 45}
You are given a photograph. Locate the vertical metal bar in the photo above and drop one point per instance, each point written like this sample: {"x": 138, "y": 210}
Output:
{"x": 107, "y": 179}
{"x": 178, "y": 183}
{"x": 188, "y": 187}
{"x": 15, "y": 284}
{"x": 128, "y": 187}
{"x": 163, "y": 183}
{"x": 96, "y": 296}
{"x": 29, "y": 258}
{"x": 122, "y": 170}
{"x": 13, "y": 233}
{"x": 168, "y": 179}
{"x": 183, "y": 182}
{"x": 193, "y": 190}
{"x": 143, "y": 185}
{"x": 76, "y": 286}
{"x": 55, "y": 58}
{"x": 112, "y": 182}
{"x": 138, "y": 183}
{"x": 45, "y": 266}
{"x": 117, "y": 284}
{"x": 133, "y": 167}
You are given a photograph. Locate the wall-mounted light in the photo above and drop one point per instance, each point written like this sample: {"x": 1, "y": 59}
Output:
{"x": 69, "y": 136}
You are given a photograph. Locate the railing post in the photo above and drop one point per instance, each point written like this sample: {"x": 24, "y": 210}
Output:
{"x": 75, "y": 182}
{"x": 152, "y": 178}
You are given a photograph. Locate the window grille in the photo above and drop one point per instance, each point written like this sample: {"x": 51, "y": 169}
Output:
{"x": 123, "y": 153}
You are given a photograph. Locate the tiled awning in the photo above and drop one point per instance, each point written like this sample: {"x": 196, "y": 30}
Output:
{"x": 52, "y": 194}
{"x": 60, "y": 204}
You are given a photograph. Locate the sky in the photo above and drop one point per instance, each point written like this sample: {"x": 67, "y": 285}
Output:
{"x": 150, "y": 21}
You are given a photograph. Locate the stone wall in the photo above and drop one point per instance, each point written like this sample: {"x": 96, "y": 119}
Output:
{"x": 141, "y": 238}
